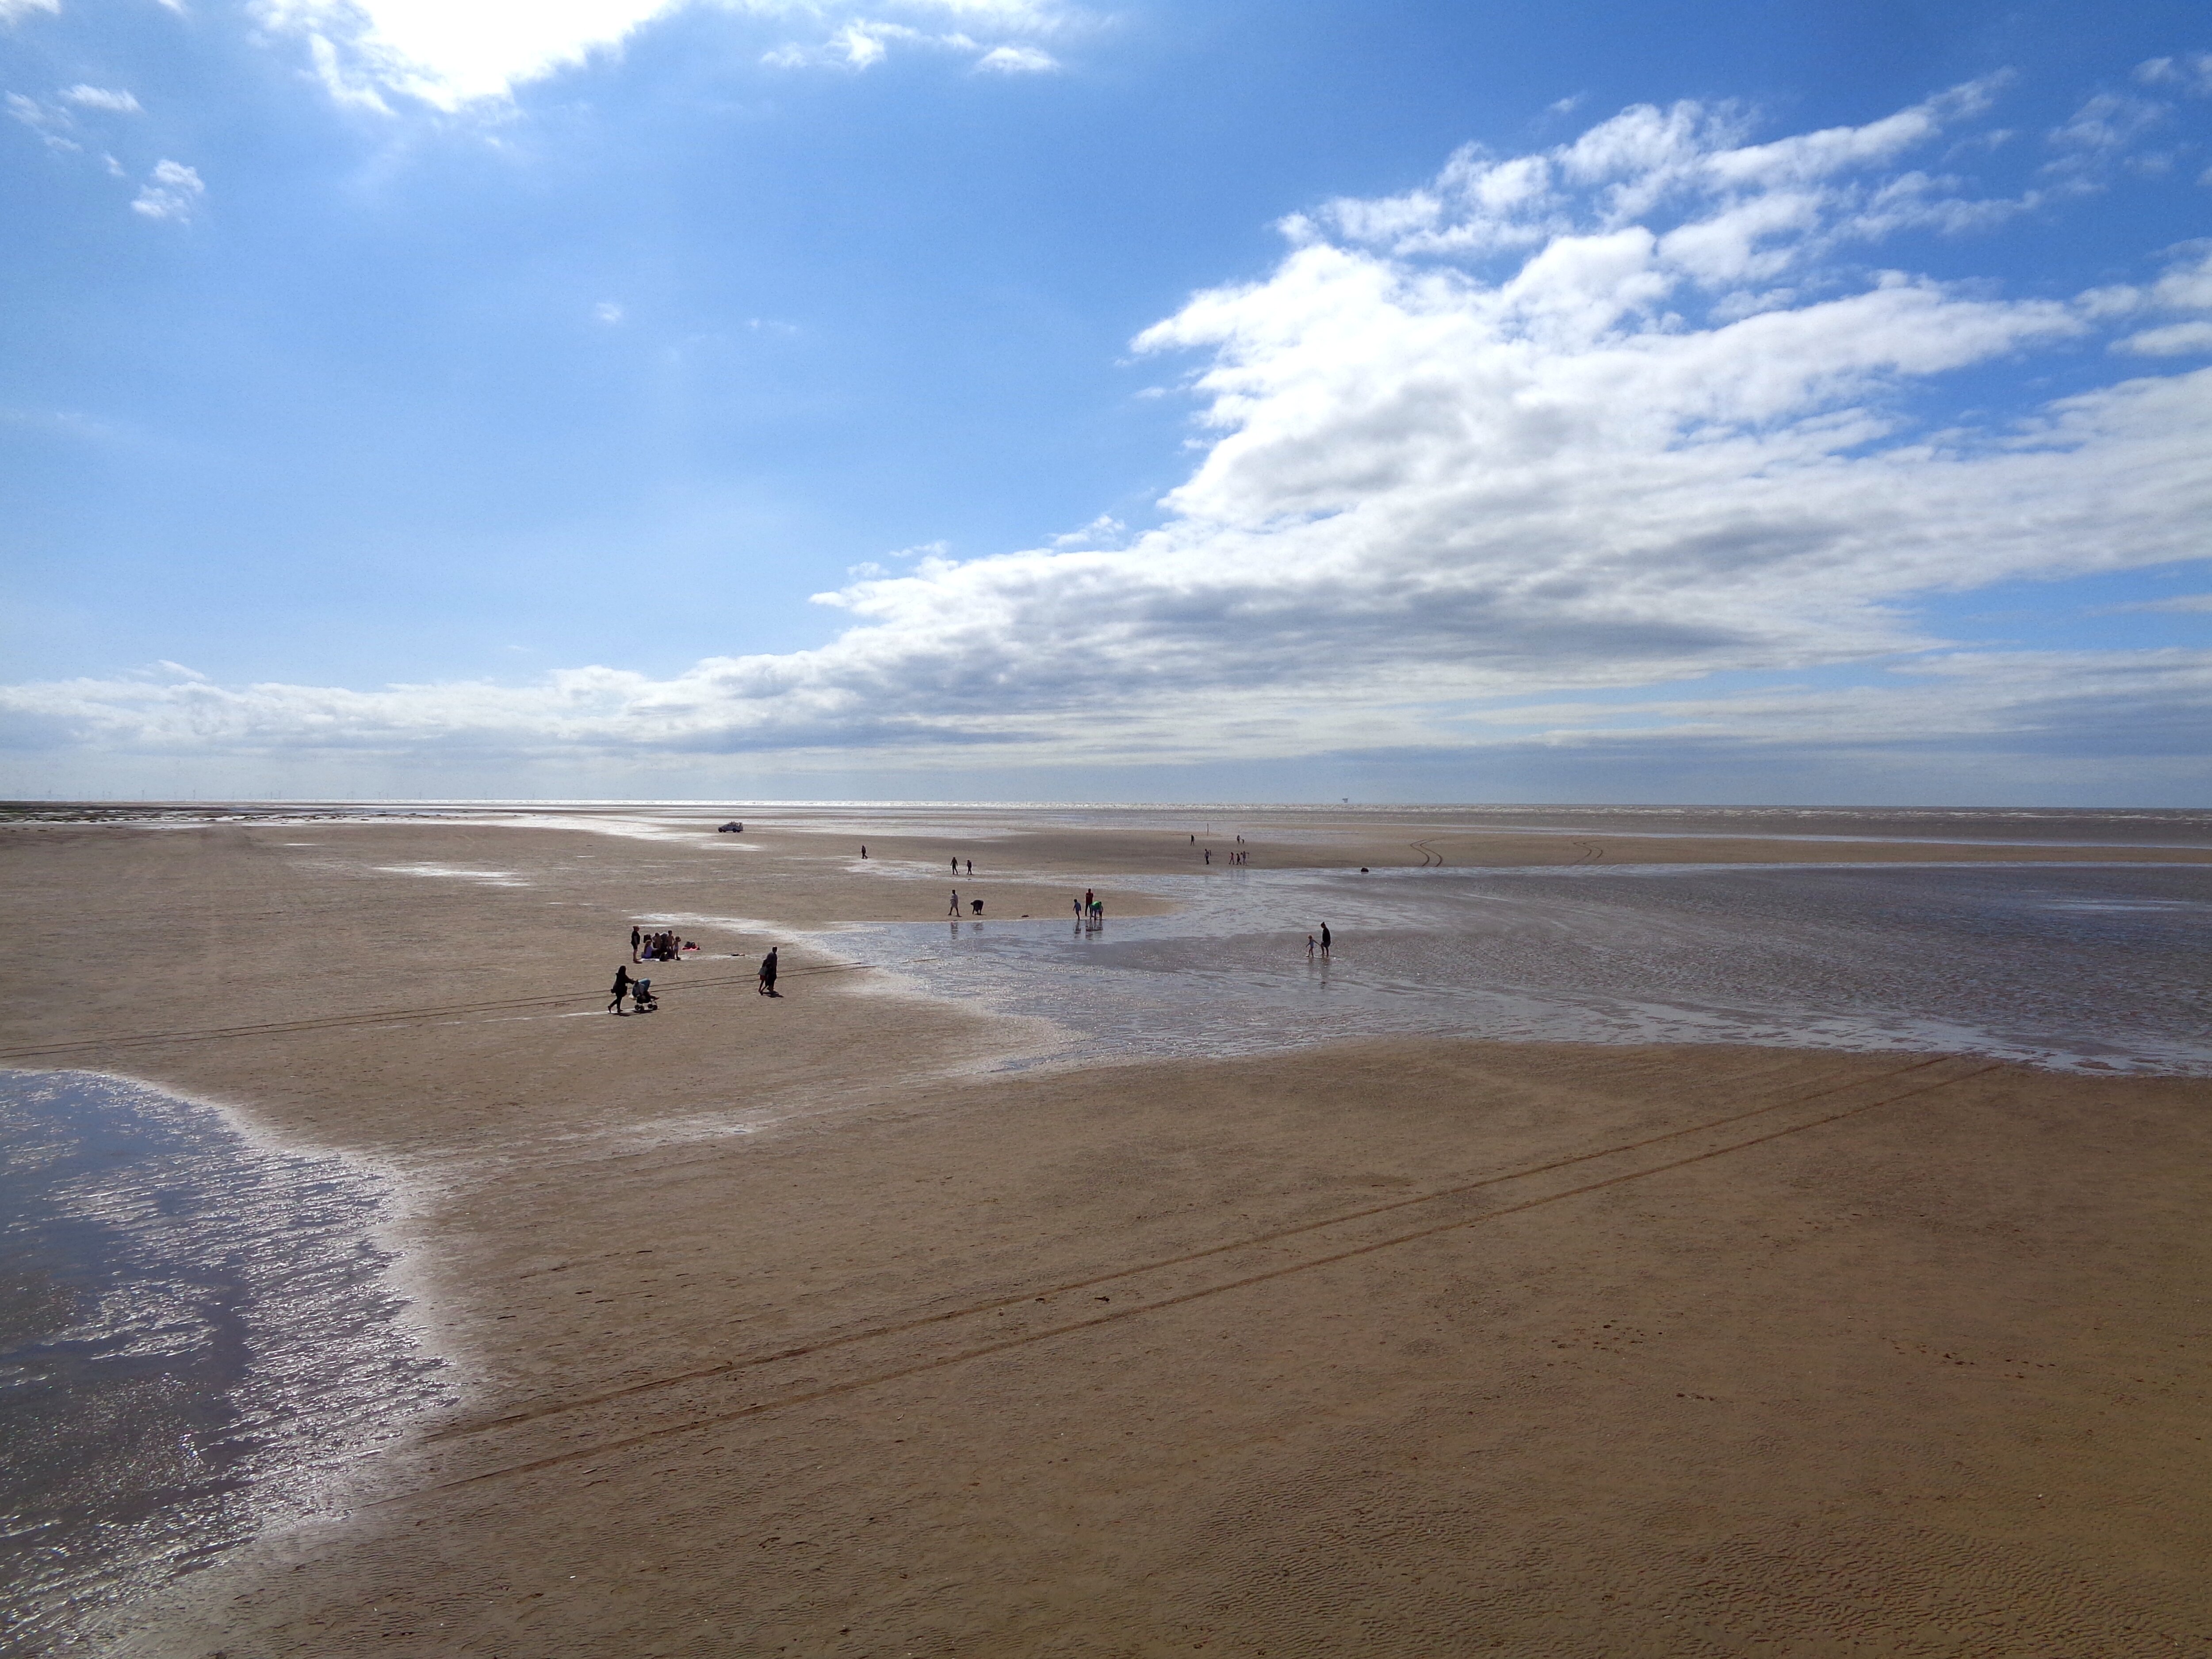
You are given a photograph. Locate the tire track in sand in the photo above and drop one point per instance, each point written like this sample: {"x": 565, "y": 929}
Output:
{"x": 1169, "y": 1296}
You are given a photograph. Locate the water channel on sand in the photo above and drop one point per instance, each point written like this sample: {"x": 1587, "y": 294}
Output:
{"x": 2089, "y": 967}
{"x": 197, "y": 1335}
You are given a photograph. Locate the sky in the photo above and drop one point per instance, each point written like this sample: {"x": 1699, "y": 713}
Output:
{"x": 1728, "y": 401}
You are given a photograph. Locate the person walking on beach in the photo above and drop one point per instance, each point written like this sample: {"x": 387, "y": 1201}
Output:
{"x": 636, "y": 939}
{"x": 863, "y": 849}
{"x": 1324, "y": 938}
{"x": 956, "y": 866}
{"x": 955, "y": 909}
{"x": 767, "y": 973}
{"x": 1310, "y": 947}
{"x": 971, "y": 866}
{"x": 620, "y": 986}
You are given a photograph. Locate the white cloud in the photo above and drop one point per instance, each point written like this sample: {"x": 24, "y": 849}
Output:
{"x": 449, "y": 52}
{"x": 1105, "y": 531}
{"x": 2024, "y": 699}
{"x": 2171, "y": 341}
{"x": 52, "y": 125}
{"x": 172, "y": 191}
{"x": 2183, "y": 603}
{"x": 452, "y": 53}
{"x": 1016, "y": 60}
{"x": 2109, "y": 121}
{"x": 1614, "y": 415}
{"x": 1733, "y": 203}
{"x": 14, "y": 11}
{"x": 607, "y": 312}
{"x": 55, "y": 124}
{"x": 112, "y": 99}
{"x": 2191, "y": 72}
{"x": 2186, "y": 286}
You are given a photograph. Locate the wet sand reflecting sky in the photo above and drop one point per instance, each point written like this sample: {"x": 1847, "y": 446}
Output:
{"x": 2095, "y": 968}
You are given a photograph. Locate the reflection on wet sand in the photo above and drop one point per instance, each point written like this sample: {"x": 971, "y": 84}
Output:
{"x": 2078, "y": 968}
{"x": 195, "y": 1334}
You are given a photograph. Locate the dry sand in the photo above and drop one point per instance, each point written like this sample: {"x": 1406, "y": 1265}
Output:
{"x": 782, "y": 1331}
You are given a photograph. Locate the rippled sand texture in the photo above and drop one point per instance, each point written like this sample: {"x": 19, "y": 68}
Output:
{"x": 792, "y": 1327}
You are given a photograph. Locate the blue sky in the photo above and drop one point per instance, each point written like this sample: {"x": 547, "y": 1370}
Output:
{"x": 973, "y": 398}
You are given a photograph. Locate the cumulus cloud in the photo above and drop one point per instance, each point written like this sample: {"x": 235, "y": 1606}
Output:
{"x": 452, "y": 53}
{"x": 172, "y": 192}
{"x": 1731, "y": 207}
{"x": 1547, "y": 429}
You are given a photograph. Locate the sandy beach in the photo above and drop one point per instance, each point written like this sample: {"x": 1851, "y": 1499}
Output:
{"x": 796, "y": 1325}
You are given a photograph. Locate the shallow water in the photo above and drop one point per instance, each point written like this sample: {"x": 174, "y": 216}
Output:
{"x": 2084, "y": 968}
{"x": 197, "y": 1336}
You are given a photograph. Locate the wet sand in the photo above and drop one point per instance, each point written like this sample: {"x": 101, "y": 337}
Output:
{"x": 780, "y": 1328}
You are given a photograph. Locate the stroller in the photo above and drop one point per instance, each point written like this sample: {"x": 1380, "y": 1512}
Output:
{"x": 641, "y": 999}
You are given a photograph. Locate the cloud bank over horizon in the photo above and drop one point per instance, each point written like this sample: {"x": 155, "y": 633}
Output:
{"x": 1555, "y": 450}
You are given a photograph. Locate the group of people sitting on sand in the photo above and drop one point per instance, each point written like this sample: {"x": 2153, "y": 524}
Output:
{"x": 657, "y": 947}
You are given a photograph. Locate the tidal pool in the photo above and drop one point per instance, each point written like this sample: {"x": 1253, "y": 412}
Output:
{"x": 2077, "y": 967}
{"x": 198, "y": 1336}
